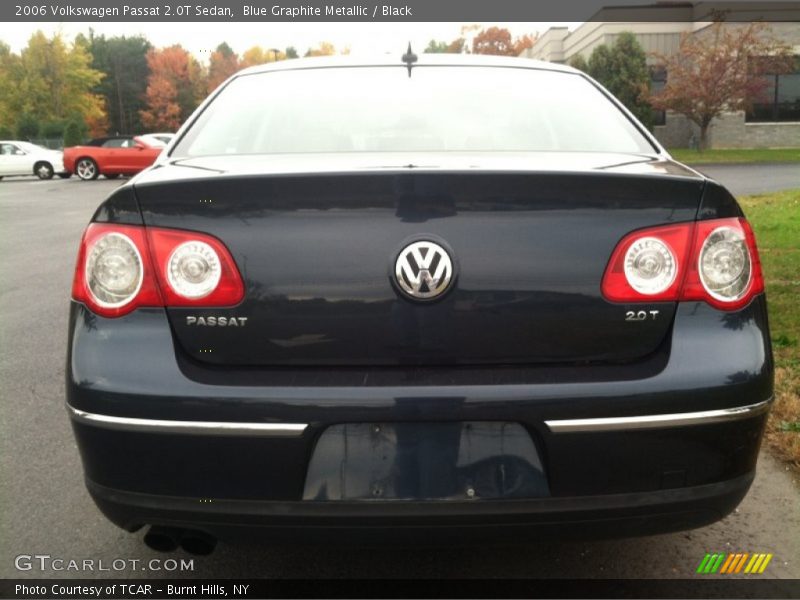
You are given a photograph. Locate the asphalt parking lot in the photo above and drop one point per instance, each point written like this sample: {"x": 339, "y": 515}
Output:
{"x": 46, "y": 510}
{"x": 743, "y": 180}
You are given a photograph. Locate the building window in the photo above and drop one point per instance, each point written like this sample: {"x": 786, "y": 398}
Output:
{"x": 779, "y": 101}
{"x": 658, "y": 79}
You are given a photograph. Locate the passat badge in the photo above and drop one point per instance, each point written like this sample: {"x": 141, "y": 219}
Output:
{"x": 217, "y": 321}
{"x": 423, "y": 270}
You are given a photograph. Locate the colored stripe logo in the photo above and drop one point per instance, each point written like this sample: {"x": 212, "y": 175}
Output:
{"x": 739, "y": 562}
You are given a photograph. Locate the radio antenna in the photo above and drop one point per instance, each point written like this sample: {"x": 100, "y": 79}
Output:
{"x": 409, "y": 58}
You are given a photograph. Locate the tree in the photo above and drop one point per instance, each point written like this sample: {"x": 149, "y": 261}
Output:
{"x": 498, "y": 41}
{"x": 224, "y": 62}
{"x": 622, "y": 69}
{"x": 523, "y": 43}
{"x": 435, "y": 47}
{"x": 494, "y": 40}
{"x": 324, "y": 49}
{"x": 6, "y": 60}
{"x": 163, "y": 112}
{"x": 457, "y": 46}
{"x": 254, "y": 56}
{"x": 74, "y": 134}
{"x": 50, "y": 80}
{"x": 291, "y": 52}
{"x": 123, "y": 61}
{"x": 720, "y": 69}
{"x": 259, "y": 56}
{"x": 52, "y": 130}
{"x": 602, "y": 64}
{"x": 27, "y": 127}
{"x": 578, "y": 62}
{"x": 175, "y": 87}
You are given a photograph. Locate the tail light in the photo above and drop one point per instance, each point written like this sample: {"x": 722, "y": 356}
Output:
{"x": 647, "y": 265}
{"x": 123, "y": 267}
{"x": 715, "y": 261}
{"x": 725, "y": 270}
{"x": 194, "y": 269}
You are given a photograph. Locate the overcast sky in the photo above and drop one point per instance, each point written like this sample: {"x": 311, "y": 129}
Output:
{"x": 200, "y": 38}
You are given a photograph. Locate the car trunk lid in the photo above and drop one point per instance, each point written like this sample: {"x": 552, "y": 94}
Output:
{"x": 316, "y": 244}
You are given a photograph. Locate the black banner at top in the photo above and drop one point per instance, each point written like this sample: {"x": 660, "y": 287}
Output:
{"x": 392, "y": 10}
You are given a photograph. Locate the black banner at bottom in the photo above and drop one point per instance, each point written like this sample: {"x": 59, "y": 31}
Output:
{"x": 388, "y": 588}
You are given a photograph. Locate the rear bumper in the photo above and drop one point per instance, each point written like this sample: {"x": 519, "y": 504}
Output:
{"x": 668, "y": 443}
{"x": 602, "y": 516}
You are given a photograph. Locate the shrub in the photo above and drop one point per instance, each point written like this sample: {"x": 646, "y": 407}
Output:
{"x": 52, "y": 130}
{"x": 27, "y": 127}
{"x": 74, "y": 133}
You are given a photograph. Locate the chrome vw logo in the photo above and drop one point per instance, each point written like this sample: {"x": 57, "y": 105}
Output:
{"x": 423, "y": 270}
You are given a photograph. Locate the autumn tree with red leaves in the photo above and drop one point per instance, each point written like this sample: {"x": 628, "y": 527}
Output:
{"x": 163, "y": 111}
{"x": 175, "y": 86}
{"x": 720, "y": 69}
{"x": 223, "y": 63}
{"x": 498, "y": 41}
{"x": 523, "y": 43}
{"x": 495, "y": 40}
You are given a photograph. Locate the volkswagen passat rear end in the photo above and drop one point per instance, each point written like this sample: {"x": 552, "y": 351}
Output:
{"x": 452, "y": 294}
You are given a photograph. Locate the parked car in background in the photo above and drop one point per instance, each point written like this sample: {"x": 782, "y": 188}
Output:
{"x": 111, "y": 156}
{"x": 25, "y": 158}
{"x": 412, "y": 311}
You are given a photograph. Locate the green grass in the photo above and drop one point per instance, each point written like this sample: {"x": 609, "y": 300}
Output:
{"x": 776, "y": 221}
{"x": 745, "y": 155}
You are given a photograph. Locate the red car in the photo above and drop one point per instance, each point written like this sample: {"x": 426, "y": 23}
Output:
{"x": 111, "y": 156}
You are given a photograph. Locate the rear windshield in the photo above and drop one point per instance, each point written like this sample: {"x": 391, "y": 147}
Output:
{"x": 437, "y": 109}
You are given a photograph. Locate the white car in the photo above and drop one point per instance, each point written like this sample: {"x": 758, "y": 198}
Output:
{"x": 24, "y": 158}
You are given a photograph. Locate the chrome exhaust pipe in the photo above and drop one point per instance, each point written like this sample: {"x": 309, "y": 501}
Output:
{"x": 198, "y": 543}
{"x": 162, "y": 539}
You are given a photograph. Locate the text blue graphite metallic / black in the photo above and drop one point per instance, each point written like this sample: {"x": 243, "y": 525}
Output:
{"x": 456, "y": 295}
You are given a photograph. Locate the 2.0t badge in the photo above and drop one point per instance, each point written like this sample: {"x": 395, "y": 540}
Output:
{"x": 423, "y": 270}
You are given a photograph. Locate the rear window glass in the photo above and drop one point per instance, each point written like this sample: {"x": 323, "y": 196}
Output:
{"x": 437, "y": 109}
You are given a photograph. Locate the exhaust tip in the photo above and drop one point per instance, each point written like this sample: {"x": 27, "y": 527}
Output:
{"x": 162, "y": 539}
{"x": 198, "y": 543}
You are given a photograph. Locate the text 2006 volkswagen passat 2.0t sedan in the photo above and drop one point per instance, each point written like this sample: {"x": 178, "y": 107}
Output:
{"x": 458, "y": 295}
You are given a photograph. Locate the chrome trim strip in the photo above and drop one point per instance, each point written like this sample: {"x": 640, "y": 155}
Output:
{"x": 703, "y": 417}
{"x": 224, "y": 428}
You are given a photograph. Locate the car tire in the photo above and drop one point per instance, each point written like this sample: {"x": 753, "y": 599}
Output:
{"x": 65, "y": 175}
{"x": 43, "y": 170}
{"x": 111, "y": 175}
{"x": 86, "y": 168}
